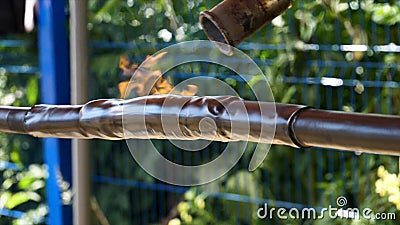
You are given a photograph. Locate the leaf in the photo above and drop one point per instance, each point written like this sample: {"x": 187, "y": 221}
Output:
{"x": 15, "y": 157}
{"x": 32, "y": 90}
{"x": 335, "y": 6}
{"x": 8, "y": 183}
{"x": 386, "y": 14}
{"x": 20, "y": 198}
{"x": 340, "y": 7}
{"x": 308, "y": 24}
{"x": 26, "y": 182}
{"x": 289, "y": 94}
{"x": 105, "y": 10}
{"x": 4, "y": 196}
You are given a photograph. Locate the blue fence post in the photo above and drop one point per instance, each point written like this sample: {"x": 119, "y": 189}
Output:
{"x": 55, "y": 87}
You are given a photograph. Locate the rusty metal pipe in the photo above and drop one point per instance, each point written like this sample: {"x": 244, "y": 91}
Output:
{"x": 232, "y": 21}
{"x": 295, "y": 125}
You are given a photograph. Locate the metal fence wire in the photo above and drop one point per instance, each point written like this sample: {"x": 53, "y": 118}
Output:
{"x": 337, "y": 55}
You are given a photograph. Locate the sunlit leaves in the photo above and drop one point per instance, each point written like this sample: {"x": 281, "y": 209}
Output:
{"x": 386, "y": 14}
{"x": 33, "y": 216}
{"x": 335, "y": 6}
{"x": 20, "y": 198}
{"x": 32, "y": 90}
{"x": 308, "y": 24}
{"x": 21, "y": 187}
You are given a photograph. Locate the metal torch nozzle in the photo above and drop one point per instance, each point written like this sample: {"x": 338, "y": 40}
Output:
{"x": 232, "y": 21}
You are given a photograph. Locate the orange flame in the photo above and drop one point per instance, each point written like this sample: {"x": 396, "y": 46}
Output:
{"x": 146, "y": 79}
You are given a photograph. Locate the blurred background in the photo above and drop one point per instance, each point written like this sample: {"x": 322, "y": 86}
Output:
{"x": 328, "y": 54}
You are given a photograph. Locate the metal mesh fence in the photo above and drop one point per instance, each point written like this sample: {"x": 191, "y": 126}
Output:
{"x": 326, "y": 54}
{"x": 340, "y": 55}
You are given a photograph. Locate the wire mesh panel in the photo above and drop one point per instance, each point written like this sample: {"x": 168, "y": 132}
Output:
{"x": 336, "y": 55}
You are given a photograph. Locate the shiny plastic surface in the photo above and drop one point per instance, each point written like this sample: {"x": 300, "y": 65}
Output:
{"x": 296, "y": 126}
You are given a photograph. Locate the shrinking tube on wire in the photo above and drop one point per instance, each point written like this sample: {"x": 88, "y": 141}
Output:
{"x": 295, "y": 125}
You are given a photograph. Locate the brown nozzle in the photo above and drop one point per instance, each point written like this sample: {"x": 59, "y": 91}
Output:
{"x": 232, "y": 21}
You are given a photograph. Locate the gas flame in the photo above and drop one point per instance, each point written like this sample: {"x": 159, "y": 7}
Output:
{"x": 147, "y": 81}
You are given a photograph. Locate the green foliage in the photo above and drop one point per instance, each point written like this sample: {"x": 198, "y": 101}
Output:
{"x": 309, "y": 177}
{"x": 246, "y": 184}
{"x": 319, "y": 176}
{"x": 385, "y": 14}
{"x": 199, "y": 207}
{"x": 23, "y": 190}
{"x": 22, "y": 185}
{"x": 193, "y": 209}
{"x": 32, "y": 90}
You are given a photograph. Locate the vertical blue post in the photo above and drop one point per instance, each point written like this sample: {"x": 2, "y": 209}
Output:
{"x": 55, "y": 89}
